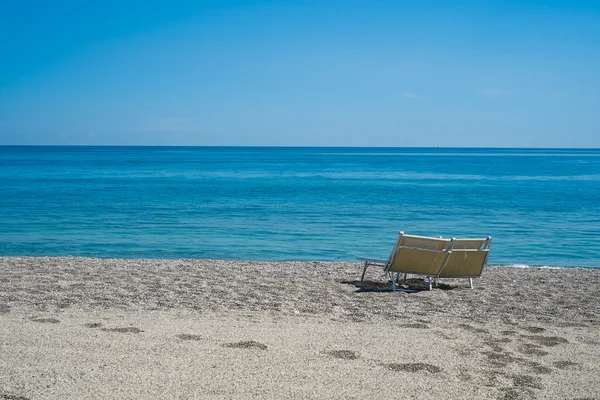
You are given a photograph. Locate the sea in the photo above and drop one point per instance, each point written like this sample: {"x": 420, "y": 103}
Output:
{"x": 541, "y": 206}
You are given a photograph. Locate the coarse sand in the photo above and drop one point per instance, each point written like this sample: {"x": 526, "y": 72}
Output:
{"x": 86, "y": 328}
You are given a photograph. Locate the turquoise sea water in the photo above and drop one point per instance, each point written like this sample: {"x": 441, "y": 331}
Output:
{"x": 541, "y": 206}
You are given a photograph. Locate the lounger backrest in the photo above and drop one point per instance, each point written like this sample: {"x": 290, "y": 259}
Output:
{"x": 465, "y": 263}
{"x": 472, "y": 244}
{"x": 423, "y": 242}
{"x": 417, "y": 261}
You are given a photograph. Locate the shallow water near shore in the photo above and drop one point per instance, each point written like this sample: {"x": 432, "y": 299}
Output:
{"x": 542, "y": 206}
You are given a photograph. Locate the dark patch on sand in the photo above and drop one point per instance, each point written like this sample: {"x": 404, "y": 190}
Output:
{"x": 46, "y": 320}
{"x": 532, "y": 350}
{"x": 248, "y": 344}
{"x": 494, "y": 378}
{"x": 572, "y": 325}
{"x": 538, "y": 368}
{"x": 343, "y": 354}
{"x": 414, "y": 367}
{"x": 4, "y": 309}
{"x": 564, "y": 364}
{"x": 548, "y": 341}
{"x": 495, "y": 343}
{"x": 188, "y": 336}
{"x": 93, "y": 325}
{"x": 464, "y": 376}
{"x": 527, "y": 381}
{"x": 64, "y": 303}
{"x": 473, "y": 329}
{"x": 444, "y": 335}
{"x": 369, "y": 286}
{"x": 534, "y": 329}
{"x": 514, "y": 394}
{"x": 417, "y": 326}
{"x": 500, "y": 359}
{"x": 5, "y": 396}
{"x": 508, "y": 333}
{"x": 128, "y": 329}
{"x": 464, "y": 351}
{"x": 495, "y": 347}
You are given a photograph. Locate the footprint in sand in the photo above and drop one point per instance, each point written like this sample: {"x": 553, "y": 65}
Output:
{"x": 417, "y": 325}
{"x": 123, "y": 330}
{"x": 93, "y": 325}
{"x": 343, "y": 354}
{"x": 473, "y": 329}
{"x": 527, "y": 381}
{"x": 500, "y": 359}
{"x": 187, "y": 336}
{"x": 523, "y": 386}
{"x": 496, "y": 343}
{"x": 5, "y": 396}
{"x": 514, "y": 394}
{"x": 248, "y": 344}
{"x": 414, "y": 367}
{"x": 537, "y": 368}
{"x": 565, "y": 364}
{"x": 548, "y": 341}
{"x": 46, "y": 320}
{"x": 532, "y": 350}
{"x": 534, "y": 329}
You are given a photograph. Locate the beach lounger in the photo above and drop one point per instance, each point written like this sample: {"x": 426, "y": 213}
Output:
{"x": 412, "y": 254}
{"x": 434, "y": 258}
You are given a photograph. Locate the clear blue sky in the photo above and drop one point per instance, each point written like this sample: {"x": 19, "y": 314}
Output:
{"x": 322, "y": 73}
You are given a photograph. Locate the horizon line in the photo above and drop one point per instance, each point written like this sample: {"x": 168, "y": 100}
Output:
{"x": 303, "y": 146}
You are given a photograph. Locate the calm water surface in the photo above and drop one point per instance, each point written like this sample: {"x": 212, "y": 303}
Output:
{"x": 541, "y": 206}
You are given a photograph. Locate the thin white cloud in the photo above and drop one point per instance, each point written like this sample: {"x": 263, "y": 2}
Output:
{"x": 411, "y": 95}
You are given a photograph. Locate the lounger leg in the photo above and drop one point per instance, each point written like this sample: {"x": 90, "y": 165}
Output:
{"x": 436, "y": 281}
{"x": 393, "y": 282}
{"x": 362, "y": 278}
{"x": 405, "y": 277}
{"x": 471, "y": 283}
{"x": 429, "y": 279}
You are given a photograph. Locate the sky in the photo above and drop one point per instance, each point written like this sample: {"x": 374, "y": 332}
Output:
{"x": 300, "y": 73}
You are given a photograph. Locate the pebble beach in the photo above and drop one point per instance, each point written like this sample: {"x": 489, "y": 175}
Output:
{"x": 73, "y": 328}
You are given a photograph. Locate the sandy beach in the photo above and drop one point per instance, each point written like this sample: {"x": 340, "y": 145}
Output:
{"x": 83, "y": 328}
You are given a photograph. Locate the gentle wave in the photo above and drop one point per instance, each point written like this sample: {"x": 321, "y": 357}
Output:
{"x": 373, "y": 176}
{"x": 532, "y": 266}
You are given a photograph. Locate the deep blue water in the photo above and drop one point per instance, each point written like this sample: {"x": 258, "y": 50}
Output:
{"x": 541, "y": 206}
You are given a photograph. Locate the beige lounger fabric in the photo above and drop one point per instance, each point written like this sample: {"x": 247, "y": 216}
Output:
{"x": 418, "y": 261}
{"x": 464, "y": 264}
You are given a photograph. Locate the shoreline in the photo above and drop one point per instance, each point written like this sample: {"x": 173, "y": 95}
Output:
{"x": 514, "y": 265}
{"x": 73, "y": 328}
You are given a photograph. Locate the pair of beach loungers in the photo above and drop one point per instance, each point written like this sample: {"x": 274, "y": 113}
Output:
{"x": 434, "y": 258}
